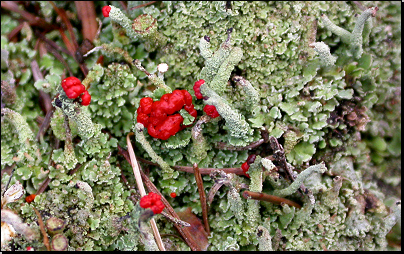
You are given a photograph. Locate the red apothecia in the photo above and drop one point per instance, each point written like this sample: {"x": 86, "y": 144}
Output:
{"x": 105, "y": 11}
{"x": 152, "y": 201}
{"x": 246, "y": 165}
{"x": 74, "y": 88}
{"x": 161, "y": 118}
{"x": 30, "y": 198}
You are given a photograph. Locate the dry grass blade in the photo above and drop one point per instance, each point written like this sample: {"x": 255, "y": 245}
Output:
{"x": 87, "y": 15}
{"x": 202, "y": 197}
{"x": 139, "y": 182}
{"x": 59, "y": 57}
{"x": 143, "y": 5}
{"x": 69, "y": 26}
{"x": 42, "y": 227}
{"x": 184, "y": 231}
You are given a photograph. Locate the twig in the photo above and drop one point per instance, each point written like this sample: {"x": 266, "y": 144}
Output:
{"x": 42, "y": 227}
{"x": 62, "y": 14}
{"x": 279, "y": 155}
{"x": 15, "y": 31}
{"x": 224, "y": 146}
{"x": 87, "y": 16}
{"x": 360, "y": 6}
{"x": 52, "y": 43}
{"x": 9, "y": 180}
{"x": 188, "y": 169}
{"x": 59, "y": 57}
{"x": 139, "y": 182}
{"x": 202, "y": 197}
{"x": 175, "y": 220}
{"x": 269, "y": 198}
{"x": 43, "y": 186}
{"x": 203, "y": 171}
{"x": 32, "y": 19}
{"x": 142, "y": 5}
{"x": 71, "y": 172}
{"x": 185, "y": 233}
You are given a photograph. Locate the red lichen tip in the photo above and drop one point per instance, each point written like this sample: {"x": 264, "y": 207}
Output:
{"x": 85, "y": 98}
{"x": 152, "y": 201}
{"x": 211, "y": 111}
{"x": 72, "y": 87}
{"x": 105, "y": 11}
{"x": 161, "y": 118}
{"x": 30, "y": 198}
{"x": 245, "y": 168}
{"x": 197, "y": 88}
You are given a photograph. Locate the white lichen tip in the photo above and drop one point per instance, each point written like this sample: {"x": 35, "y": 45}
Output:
{"x": 163, "y": 67}
{"x": 326, "y": 59}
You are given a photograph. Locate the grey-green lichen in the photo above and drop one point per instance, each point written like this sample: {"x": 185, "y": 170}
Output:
{"x": 354, "y": 38}
{"x": 345, "y": 114}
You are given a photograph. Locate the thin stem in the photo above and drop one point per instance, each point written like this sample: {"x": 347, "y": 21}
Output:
{"x": 9, "y": 180}
{"x": 269, "y": 198}
{"x": 142, "y": 5}
{"x": 139, "y": 182}
{"x": 185, "y": 233}
{"x": 202, "y": 197}
{"x": 42, "y": 227}
{"x": 175, "y": 220}
{"x": 203, "y": 171}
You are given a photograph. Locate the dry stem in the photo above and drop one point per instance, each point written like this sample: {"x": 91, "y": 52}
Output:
{"x": 139, "y": 182}
{"x": 202, "y": 197}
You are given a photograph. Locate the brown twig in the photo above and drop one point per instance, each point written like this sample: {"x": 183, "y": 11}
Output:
{"x": 185, "y": 233}
{"x": 202, "y": 197}
{"x": 59, "y": 57}
{"x": 360, "y": 6}
{"x": 43, "y": 186}
{"x": 52, "y": 43}
{"x": 45, "y": 99}
{"x": 32, "y": 19}
{"x": 269, "y": 198}
{"x": 203, "y": 171}
{"x": 15, "y": 31}
{"x": 143, "y": 5}
{"x": 87, "y": 15}
{"x": 279, "y": 155}
{"x": 45, "y": 125}
{"x": 42, "y": 227}
{"x": 62, "y": 13}
{"x": 225, "y": 146}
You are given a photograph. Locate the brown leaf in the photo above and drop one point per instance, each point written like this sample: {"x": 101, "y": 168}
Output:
{"x": 87, "y": 15}
{"x": 197, "y": 230}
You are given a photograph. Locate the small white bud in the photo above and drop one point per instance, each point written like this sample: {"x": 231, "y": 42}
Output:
{"x": 163, "y": 67}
